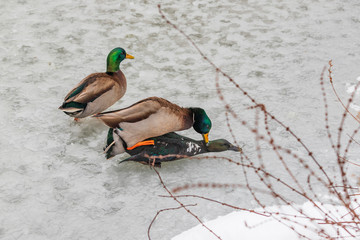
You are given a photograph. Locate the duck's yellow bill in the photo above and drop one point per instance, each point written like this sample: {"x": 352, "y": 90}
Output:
{"x": 206, "y": 137}
{"x": 129, "y": 56}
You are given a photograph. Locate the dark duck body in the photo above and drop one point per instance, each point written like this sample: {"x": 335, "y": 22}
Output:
{"x": 172, "y": 146}
{"x": 149, "y": 118}
{"x": 98, "y": 91}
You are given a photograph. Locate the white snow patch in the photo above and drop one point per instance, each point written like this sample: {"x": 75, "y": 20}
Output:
{"x": 245, "y": 225}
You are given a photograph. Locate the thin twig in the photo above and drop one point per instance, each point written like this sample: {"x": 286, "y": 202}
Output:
{"x": 183, "y": 206}
{"x": 163, "y": 210}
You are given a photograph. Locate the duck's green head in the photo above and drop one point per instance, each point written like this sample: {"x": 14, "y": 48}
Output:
{"x": 114, "y": 59}
{"x": 202, "y": 123}
{"x": 221, "y": 145}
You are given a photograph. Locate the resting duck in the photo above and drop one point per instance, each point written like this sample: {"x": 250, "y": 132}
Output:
{"x": 152, "y": 117}
{"x": 98, "y": 91}
{"x": 172, "y": 146}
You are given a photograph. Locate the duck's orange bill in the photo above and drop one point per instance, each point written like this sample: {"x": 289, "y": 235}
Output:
{"x": 143, "y": 143}
{"x": 129, "y": 56}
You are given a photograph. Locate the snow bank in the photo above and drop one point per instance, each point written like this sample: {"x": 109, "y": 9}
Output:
{"x": 245, "y": 225}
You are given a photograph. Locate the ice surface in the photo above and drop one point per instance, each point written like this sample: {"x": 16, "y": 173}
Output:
{"x": 54, "y": 180}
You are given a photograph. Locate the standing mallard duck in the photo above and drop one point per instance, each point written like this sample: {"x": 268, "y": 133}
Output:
{"x": 153, "y": 117}
{"x": 172, "y": 146}
{"x": 98, "y": 91}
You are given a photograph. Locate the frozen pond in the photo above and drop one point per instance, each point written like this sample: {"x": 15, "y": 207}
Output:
{"x": 54, "y": 180}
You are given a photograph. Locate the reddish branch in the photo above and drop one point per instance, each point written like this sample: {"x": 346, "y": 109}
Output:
{"x": 264, "y": 214}
{"x": 266, "y": 177}
{"x": 229, "y": 109}
{"x": 211, "y": 185}
{"x": 340, "y": 131}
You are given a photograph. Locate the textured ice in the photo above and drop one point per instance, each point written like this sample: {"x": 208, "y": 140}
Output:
{"x": 54, "y": 180}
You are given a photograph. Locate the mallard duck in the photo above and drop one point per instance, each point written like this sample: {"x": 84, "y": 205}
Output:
{"x": 98, "y": 91}
{"x": 153, "y": 117}
{"x": 172, "y": 146}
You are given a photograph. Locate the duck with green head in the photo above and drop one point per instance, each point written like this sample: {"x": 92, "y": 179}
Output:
{"x": 172, "y": 146}
{"x": 98, "y": 91}
{"x": 152, "y": 117}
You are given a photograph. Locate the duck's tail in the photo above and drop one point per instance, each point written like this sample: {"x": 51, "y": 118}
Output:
{"x": 114, "y": 144}
{"x": 72, "y": 108}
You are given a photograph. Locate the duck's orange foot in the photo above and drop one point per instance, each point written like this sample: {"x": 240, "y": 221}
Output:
{"x": 143, "y": 143}
{"x": 76, "y": 119}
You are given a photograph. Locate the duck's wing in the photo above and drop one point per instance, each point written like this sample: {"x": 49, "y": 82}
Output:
{"x": 135, "y": 113}
{"x": 135, "y": 158}
{"x": 172, "y": 136}
{"x": 91, "y": 88}
{"x": 148, "y": 118}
